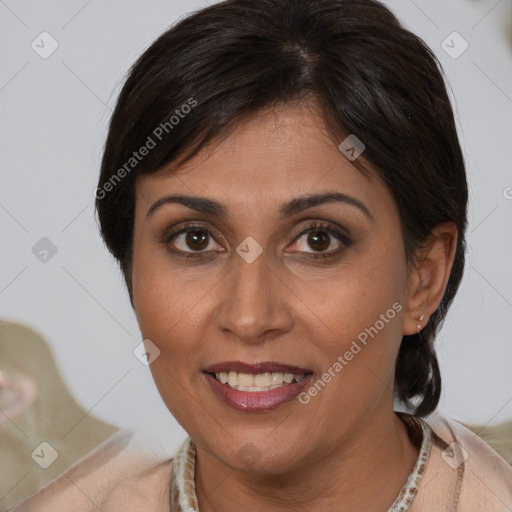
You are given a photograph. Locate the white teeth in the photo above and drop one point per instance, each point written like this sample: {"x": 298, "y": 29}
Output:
{"x": 258, "y": 382}
{"x": 246, "y": 380}
{"x": 233, "y": 379}
{"x": 263, "y": 380}
{"x": 277, "y": 378}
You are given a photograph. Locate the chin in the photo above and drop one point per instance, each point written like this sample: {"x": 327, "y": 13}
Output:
{"x": 260, "y": 453}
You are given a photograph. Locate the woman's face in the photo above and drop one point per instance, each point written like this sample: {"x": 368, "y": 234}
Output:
{"x": 258, "y": 284}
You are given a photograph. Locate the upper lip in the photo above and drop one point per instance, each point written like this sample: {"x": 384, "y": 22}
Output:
{"x": 254, "y": 368}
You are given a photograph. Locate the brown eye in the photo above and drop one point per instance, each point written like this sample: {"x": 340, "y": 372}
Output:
{"x": 318, "y": 240}
{"x": 192, "y": 241}
{"x": 196, "y": 240}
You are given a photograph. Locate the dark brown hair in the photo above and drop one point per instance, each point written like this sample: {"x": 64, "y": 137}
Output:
{"x": 368, "y": 76}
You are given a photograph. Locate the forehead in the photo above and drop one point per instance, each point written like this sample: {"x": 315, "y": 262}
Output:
{"x": 279, "y": 154}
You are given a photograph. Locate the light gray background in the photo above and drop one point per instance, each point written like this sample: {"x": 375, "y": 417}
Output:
{"x": 54, "y": 114}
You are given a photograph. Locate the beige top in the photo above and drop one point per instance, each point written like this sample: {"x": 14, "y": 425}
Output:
{"x": 461, "y": 473}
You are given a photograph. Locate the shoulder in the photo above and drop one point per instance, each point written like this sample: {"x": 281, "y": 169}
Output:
{"x": 465, "y": 471}
{"x": 149, "y": 490}
{"x": 118, "y": 472}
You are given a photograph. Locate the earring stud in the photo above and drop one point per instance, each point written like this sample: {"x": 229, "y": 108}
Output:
{"x": 418, "y": 325}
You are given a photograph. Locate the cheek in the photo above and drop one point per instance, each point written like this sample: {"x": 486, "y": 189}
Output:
{"x": 160, "y": 298}
{"x": 364, "y": 308}
{"x": 366, "y": 290}
{"x": 171, "y": 311}
{"x": 164, "y": 306}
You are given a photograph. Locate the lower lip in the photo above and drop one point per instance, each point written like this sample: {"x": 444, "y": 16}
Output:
{"x": 256, "y": 400}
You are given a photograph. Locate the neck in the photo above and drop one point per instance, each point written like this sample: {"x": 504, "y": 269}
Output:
{"x": 365, "y": 473}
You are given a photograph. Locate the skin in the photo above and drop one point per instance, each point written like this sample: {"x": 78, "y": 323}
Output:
{"x": 345, "y": 450}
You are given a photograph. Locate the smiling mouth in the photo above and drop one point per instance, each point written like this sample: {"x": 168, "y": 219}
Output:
{"x": 256, "y": 377}
{"x": 256, "y": 387}
{"x": 257, "y": 382}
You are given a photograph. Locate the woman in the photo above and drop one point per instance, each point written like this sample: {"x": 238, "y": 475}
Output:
{"x": 283, "y": 187}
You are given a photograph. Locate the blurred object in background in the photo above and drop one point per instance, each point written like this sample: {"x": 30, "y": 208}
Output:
{"x": 43, "y": 430}
{"x": 498, "y": 437}
{"x": 506, "y": 23}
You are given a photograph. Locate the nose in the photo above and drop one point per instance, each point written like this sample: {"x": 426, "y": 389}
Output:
{"x": 253, "y": 302}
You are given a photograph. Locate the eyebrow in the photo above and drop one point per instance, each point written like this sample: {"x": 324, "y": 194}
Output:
{"x": 212, "y": 207}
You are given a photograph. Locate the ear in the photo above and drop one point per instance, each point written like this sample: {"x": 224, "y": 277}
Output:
{"x": 428, "y": 276}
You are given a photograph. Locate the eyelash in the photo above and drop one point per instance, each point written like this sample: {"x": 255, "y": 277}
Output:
{"x": 312, "y": 227}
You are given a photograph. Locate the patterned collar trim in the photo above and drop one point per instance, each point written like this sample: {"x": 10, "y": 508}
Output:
{"x": 183, "y": 489}
{"x": 410, "y": 489}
